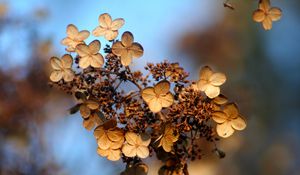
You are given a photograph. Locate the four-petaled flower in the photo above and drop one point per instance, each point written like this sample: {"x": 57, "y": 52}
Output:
{"x": 158, "y": 97}
{"x": 209, "y": 82}
{"x": 168, "y": 138}
{"x": 266, "y": 14}
{"x": 74, "y": 37}
{"x": 89, "y": 55}
{"x": 109, "y": 142}
{"x": 136, "y": 145}
{"x": 107, "y": 27}
{"x": 90, "y": 119}
{"x": 126, "y": 49}
{"x": 62, "y": 68}
{"x": 228, "y": 120}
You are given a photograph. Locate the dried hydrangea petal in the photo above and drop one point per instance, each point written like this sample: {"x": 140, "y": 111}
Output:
{"x": 225, "y": 130}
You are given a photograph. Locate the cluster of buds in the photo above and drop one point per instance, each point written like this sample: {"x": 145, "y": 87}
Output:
{"x": 135, "y": 116}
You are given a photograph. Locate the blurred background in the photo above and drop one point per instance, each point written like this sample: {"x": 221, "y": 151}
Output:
{"x": 37, "y": 136}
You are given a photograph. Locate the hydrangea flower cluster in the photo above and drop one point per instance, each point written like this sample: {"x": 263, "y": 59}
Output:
{"x": 165, "y": 114}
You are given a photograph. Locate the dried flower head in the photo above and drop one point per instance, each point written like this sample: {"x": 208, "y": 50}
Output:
{"x": 126, "y": 49}
{"x": 266, "y": 14}
{"x": 210, "y": 81}
{"x": 107, "y": 27}
{"x": 62, "y": 68}
{"x": 74, "y": 37}
{"x": 174, "y": 113}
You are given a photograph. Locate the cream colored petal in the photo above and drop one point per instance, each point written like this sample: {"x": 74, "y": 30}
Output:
{"x": 117, "y": 24}
{"x": 131, "y": 138}
{"x": 155, "y": 105}
{"x": 84, "y": 62}
{"x": 220, "y": 100}
{"x": 162, "y": 87}
{"x": 129, "y": 150}
{"x": 258, "y": 15}
{"x": 97, "y": 61}
{"x": 267, "y": 23}
{"x": 166, "y": 100}
{"x": 264, "y": 5}
{"x": 92, "y": 104}
{"x": 72, "y": 31}
{"x": 136, "y": 50}
{"x": 275, "y": 14}
{"x": 67, "y": 61}
{"x": 99, "y": 31}
{"x": 56, "y": 63}
{"x": 105, "y": 20}
{"x": 126, "y": 58}
{"x": 82, "y": 50}
{"x": 231, "y": 110}
{"x": 114, "y": 155}
{"x": 70, "y": 49}
{"x": 104, "y": 142}
{"x": 219, "y": 117}
{"x": 102, "y": 152}
{"x": 118, "y": 48}
{"x": 166, "y": 144}
{"x": 238, "y": 123}
{"x": 68, "y": 75}
{"x": 82, "y": 35}
{"x": 84, "y": 111}
{"x": 111, "y": 35}
{"x": 98, "y": 132}
{"x": 217, "y": 79}
{"x": 56, "y": 75}
{"x": 94, "y": 47}
{"x": 142, "y": 152}
{"x": 127, "y": 39}
{"x": 224, "y": 130}
{"x": 212, "y": 91}
{"x": 117, "y": 144}
{"x": 148, "y": 94}
{"x": 88, "y": 124}
{"x": 205, "y": 73}
{"x": 66, "y": 41}
{"x": 202, "y": 85}
{"x": 115, "y": 135}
